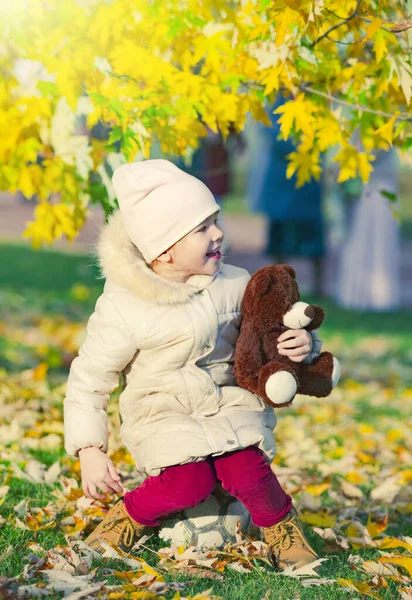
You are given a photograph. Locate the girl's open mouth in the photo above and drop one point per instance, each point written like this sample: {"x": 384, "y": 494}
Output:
{"x": 216, "y": 254}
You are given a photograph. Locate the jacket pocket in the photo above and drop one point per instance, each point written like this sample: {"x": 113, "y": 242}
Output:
{"x": 158, "y": 406}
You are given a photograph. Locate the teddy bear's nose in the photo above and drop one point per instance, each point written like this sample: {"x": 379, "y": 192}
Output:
{"x": 310, "y": 312}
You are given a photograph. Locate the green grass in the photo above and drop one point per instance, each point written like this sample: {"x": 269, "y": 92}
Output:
{"x": 52, "y": 274}
{"x": 234, "y": 585}
{"x": 353, "y": 325}
{"x": 45, "y": 270}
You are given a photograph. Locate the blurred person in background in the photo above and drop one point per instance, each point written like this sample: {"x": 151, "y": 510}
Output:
{"x": 368, "y": 275}
{"x": 295, "y": 220}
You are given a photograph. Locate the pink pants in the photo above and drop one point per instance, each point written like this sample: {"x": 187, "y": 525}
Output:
{"x": 244, "y": 474}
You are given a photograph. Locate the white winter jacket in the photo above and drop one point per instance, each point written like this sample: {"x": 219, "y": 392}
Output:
{"x": 174, "y": 343}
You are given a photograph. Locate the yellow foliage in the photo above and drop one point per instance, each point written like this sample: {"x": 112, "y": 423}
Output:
{"x": 372, "y": 28}
{"x": 363, "y": 587}
{"x": 376, "y": 527}
{"x": 40, "y": 372}
{"x": 402, "y": 561}
{"x": 297, "y": 113}
{"x": 305, "y": 165}
{"x": 386, "y": 131}
{"x": 355, "y": 477}
{"x": 165, "y": 70}
{"x": 317, "y": 490}
{"x": 51, "y": 222}
{"x": 353, "y": 163}
{"x": 380, "y": 47}
{"x": 320, "y": 519}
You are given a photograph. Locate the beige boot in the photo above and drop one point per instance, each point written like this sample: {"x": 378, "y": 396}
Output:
{"x": 117, "y": 527}
{"x": 288, "y": 543}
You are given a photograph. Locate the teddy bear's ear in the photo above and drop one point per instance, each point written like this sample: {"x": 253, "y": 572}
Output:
{"x": 291, "y": 271}
{"x": 267, "y": 283}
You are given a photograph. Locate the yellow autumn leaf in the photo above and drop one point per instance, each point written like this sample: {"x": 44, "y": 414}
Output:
{"x": 363, "y": 457}
{"x": 25, "y": 183}
{"x": 79, "y": 525}
{"x": 317, "y": 490}
{"x": 386, "y": 131}
{"x": 321, "y": 519}
{"x": 353, "y": 163}
{"x": 363, "y": 587}
{"x": 41, "y": 229}
{"x": 32, "y": 433}
{"x": 127, "y": 575}
{"x": 406, "y": 477}
{"x": 352, "y": 533}
{"x": 306, "y": 165}
{"x": 392, "y": 542}
{"x": 380, "y": 47}
{"x": 372, "y": 28}
{"x": 131, "y": 593}
{"x": 271, "y": 79}
{"x": 298, "y": 113}
{"x": 355, "y": 477}
{"x": 34, "y": 522}
{"x": 285, "y": 21}
{"x": 365, "y": 428}
{"x": 394, "y": 435}
{"x": 295, "y": 4}
{"x": 151, "y": 571}
{"x": 336, "y": 453}
{"x": 401, "y": 561}
{"x": 376, "y": 527}
{"x": 328, "y": 132}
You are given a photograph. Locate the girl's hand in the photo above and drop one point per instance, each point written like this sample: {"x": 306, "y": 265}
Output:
{"x": 296, "y": 344}
{"x": 98, "y": 471}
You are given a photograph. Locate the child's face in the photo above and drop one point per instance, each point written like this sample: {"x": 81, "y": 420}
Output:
{"x": 198, "y": 252}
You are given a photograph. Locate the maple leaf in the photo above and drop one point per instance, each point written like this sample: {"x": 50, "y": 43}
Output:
{"x": 298, "y": 113}
{"x": 309, "y": 569}
{"x": 380, "y": 47}
{"x": 372, "y": 28}
{"x": 361, "y": 587}
{"x": 353, "y": 162}
{"x": 305, "y": 166}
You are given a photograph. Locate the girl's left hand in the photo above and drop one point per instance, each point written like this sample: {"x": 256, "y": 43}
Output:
{"x": 296, "y": 344}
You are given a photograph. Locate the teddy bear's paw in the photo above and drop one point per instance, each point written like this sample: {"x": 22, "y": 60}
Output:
{"x": 281, "y": 387}
{"x": 336, "y": 372}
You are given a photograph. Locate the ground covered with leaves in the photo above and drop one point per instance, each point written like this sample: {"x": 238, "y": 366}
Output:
{"x": 346, "y": 460}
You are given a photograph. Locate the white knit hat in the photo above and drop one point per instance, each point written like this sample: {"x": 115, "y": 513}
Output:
{"x": 160, "y": 204}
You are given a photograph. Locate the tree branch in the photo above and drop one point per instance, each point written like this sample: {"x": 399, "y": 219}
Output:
{"x": 307, "y": 88}
{"x": 337, "y": 25}
{"x": 400, "y": 28}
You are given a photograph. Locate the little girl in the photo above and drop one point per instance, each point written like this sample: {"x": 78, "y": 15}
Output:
{"x": 168, "y": 319}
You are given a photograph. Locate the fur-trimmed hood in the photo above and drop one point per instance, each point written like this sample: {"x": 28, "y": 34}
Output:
{"x": 122, "y": 263}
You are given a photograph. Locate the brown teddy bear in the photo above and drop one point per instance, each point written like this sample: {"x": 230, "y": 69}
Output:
{"x": 271, "y": 306}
